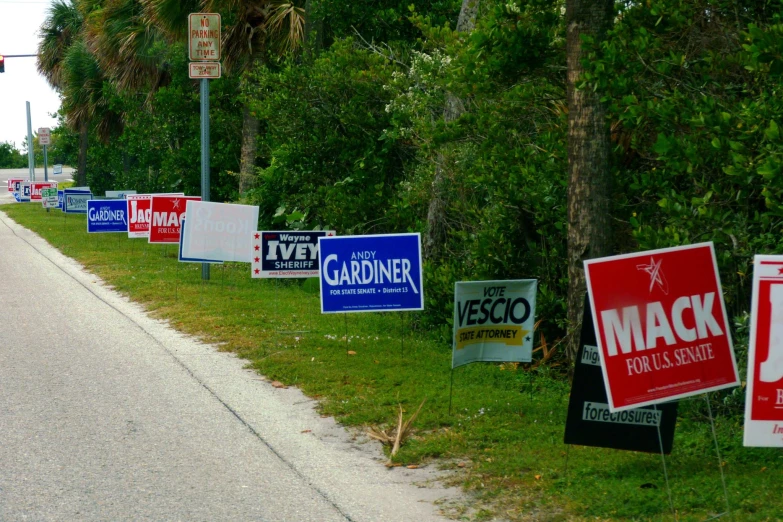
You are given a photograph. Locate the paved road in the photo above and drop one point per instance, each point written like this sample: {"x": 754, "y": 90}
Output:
{"x": 106, "y": 414}
{"x": 67, "y": 175}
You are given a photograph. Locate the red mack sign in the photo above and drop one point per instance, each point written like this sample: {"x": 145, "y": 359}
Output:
{"x": 764, "y": 396}
{"x": 661, "y": 325}
{"x": 167, "y": 213}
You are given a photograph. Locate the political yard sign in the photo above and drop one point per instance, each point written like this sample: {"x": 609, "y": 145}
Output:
{"x": 764, "y": 396}
{"x": 24, "y": 191}
{"x": 49, "y": 197}
{"x": 166, "y": 212}
{"x": 589, "y": 421}
{"x": 119, "y": 194}
{"x": 493, "y": 321}
{"x": 107, "y": 215}
{"x": 218, "y": 231}
{"x": 13, "y": 184}
{"x": 75, "y": 201}
{"x": 139, "y": 214}
{"x": 380, "y": 273}
{"x": 37, "y": 186}
{"x": 661, "y": 325}
{"x": 278, "y": 254}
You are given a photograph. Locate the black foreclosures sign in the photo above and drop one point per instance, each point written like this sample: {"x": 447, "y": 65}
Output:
{"x": 589, "y": 421}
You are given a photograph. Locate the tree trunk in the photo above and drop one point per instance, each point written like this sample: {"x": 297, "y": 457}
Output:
{"x": 435, "y": 235}
{"x": 313, "y": 33}
{"x": 589, "y": 181}
{"x": 81, "y": 167}
{"x": 247, "y": 166}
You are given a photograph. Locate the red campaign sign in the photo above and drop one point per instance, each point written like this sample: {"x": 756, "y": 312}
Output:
{"x": 167, "y": 213}
{"x": 661, "y": 324}
{"x": 764, "y": 396}
{"x": 11, "y": 183}
{"x": 139, "y": 214}
{"x": 36, "y": 186}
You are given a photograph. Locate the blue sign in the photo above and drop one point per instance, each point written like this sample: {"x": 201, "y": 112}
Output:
{"x": 60, "y": 199}
{"x": 107, "y": 215}
{"x": 24, "y": 193}
{"x": 75, "y": 201}
{"x": 379, "y": 273}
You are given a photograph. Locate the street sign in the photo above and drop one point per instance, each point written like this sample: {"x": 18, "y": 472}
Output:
{"x": 209, "y": 70}
{"x": 45, "y": 136}
{"x": 661, "y": 325}
{"x": 204, "y": 37}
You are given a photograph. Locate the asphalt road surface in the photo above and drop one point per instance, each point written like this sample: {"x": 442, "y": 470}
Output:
{"x": 67, "y": 175}
{"x": 107, "y": 414}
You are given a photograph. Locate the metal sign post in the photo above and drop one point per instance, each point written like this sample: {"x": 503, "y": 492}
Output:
{"x": 45, "y": 139}
{"x": 30, "y": 153}
{"x": 205, "y": 156}
{"x": 203, "y": 47}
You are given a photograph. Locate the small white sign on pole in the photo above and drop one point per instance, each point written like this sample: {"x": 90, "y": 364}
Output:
{"x": 45, "y": 136}
{"x": 204, "y": 37}
{"x": 210, "y": 70}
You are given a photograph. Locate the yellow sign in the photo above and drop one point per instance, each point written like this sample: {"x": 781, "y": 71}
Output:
{"x": 508, "y": 335}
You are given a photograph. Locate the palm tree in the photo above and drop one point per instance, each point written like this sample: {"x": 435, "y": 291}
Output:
{"x": 128, "y": 47}
{"x": 68, "y": 64}
{"x": 251, "y": 30}
{"x": 61, "y": 34}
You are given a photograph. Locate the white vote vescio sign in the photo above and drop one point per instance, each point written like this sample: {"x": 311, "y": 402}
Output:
{"x": 493, "y": 321}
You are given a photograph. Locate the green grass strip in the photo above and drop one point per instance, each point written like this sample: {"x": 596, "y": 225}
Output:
{"x": 503, "y": 441}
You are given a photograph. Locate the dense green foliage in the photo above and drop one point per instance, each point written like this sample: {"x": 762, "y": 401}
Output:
{"x": 354, "y": 135}
{"x": 11, "y": 158}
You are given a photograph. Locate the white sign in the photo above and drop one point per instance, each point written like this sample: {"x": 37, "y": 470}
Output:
{"x": 45, "y": 136}
{"x": 219, "y": 231}
{"x": 204, "y": 37}
{"x": 204, "y": 70}
{"x": 764, "y": 395}
{"x": 119, "y": 194}
{"x": 49, "y": 197}
{"x": 493, "y": 321}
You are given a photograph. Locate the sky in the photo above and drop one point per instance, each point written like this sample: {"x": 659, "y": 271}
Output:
{"x": 20, "y": 21}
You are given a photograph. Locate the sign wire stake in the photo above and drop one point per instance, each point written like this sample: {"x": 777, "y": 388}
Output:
{"x": 717, "y": 452}
{"x": 345, "y": 315}
{"x": 451, "y": 389}
{"x": 565, "y": 472}
{"x": 665, "y": 471}
{"x": 402, "y": 334}
{"x": 176, "y": 283}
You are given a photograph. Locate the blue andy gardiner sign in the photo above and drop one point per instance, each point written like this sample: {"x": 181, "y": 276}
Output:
{"x": 380, "y": 273}
{"x": 107, "y": 215}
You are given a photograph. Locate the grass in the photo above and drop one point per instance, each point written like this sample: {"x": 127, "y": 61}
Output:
{"x": 503, "y": 440}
